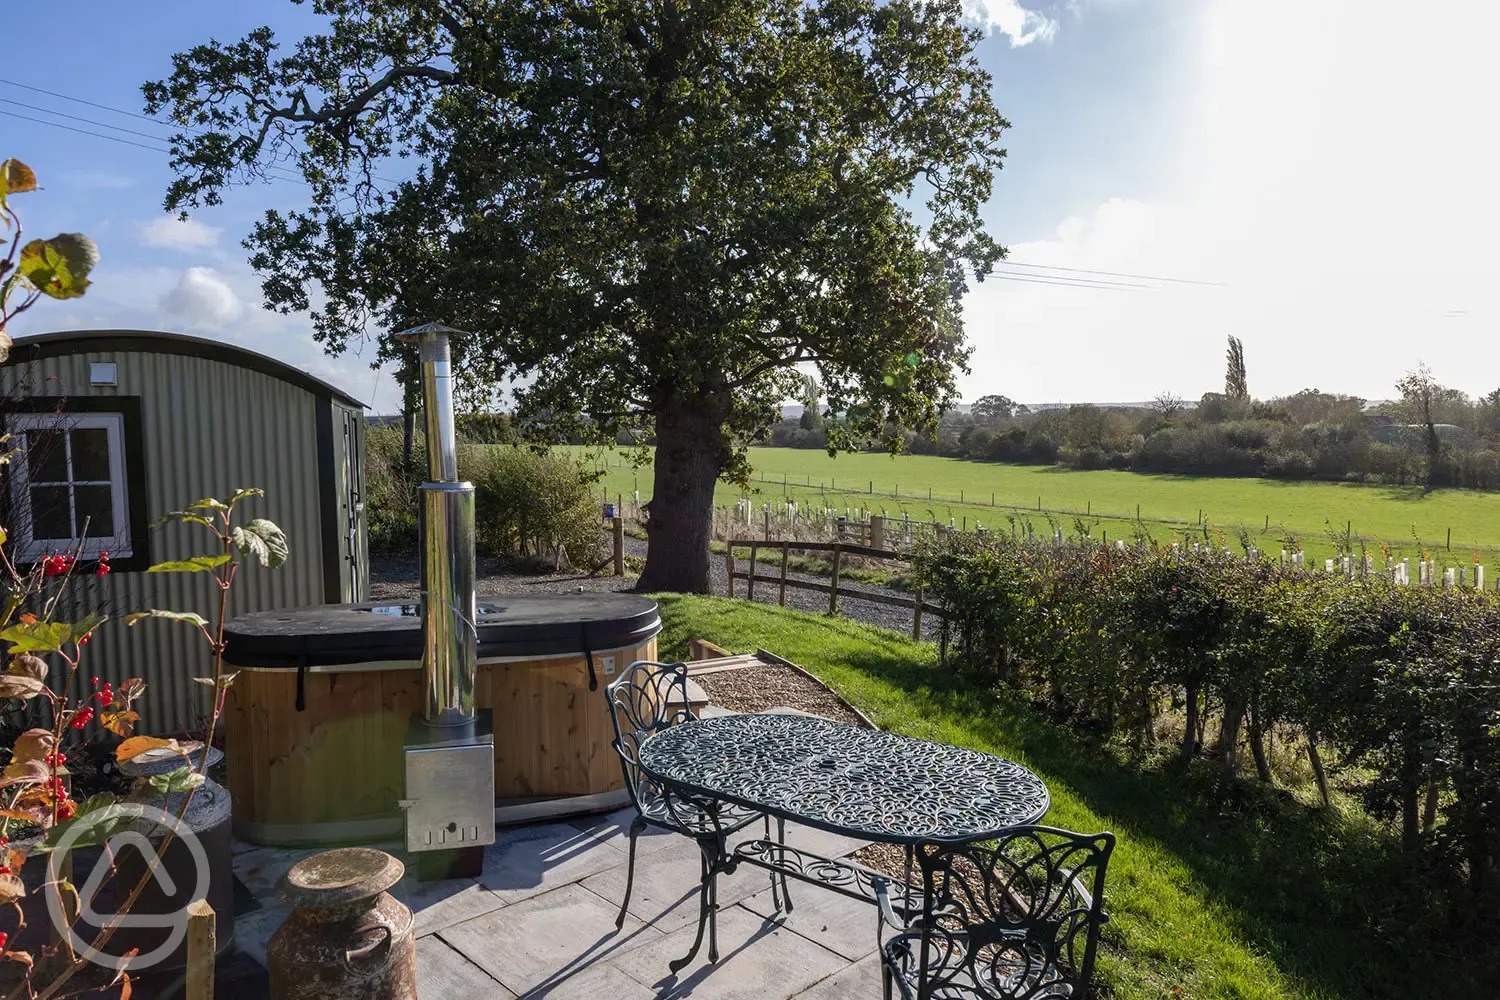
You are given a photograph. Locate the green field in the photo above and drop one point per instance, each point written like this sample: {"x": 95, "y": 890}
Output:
{"x": 1273, "y": 512}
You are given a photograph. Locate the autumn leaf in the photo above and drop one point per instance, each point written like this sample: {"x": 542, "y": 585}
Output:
{"x": 30, "y": 665}
{"x": 137, "y": 745}
{"x": 20, "y": 686}
{"x": 28, "y": 619}
{"x": 34, "y": 744}
{"x": 24, "y": 772}
{"x": 11, "y": 889}
{"x": 120, "y": 723}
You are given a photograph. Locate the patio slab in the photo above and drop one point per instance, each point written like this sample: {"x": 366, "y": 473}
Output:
{"x": 836, "y": 922}
{"x": 862, "y": 979}
{"x": 665, "y": 893}
{"x": 443, "y": 971}
{"x": 525, "y": 861}
{"x": 758, "y": 959}
{"x": 542, "y": 941}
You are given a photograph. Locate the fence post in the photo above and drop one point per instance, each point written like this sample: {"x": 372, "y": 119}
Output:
{"x": 916, "y": 617}
{"x": 728, "y": 569}
{"x": 786, "y": 550}
{"x": 768, "y": 525}
{"x": 877, "y": 531}
{"x": 750, "y": 587}
{"x": 833, "y": 594}
{"x": 619, "y": 532}
{"x": 201, "y": 947}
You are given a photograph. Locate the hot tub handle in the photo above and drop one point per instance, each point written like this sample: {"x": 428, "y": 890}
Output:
{"x": 588, "y": 655}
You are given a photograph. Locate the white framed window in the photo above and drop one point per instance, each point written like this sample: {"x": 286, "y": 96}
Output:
{"x": 68, "y": 485}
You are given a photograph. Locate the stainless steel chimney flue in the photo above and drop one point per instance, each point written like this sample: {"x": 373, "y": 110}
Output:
{"x": 449, "y": 636}
{"x": 450, "y": 749}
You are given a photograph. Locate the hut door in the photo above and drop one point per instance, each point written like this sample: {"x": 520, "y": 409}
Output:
{"x": 354, "y": 506}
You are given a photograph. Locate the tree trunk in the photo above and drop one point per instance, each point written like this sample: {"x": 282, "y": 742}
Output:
{"x": 1190, "y": 735}
{"x": 1316, "y": 760}
{"x": 690, "y": 454}
{"x": 1229, "y": 734}
{"x": 1258, "y": 741}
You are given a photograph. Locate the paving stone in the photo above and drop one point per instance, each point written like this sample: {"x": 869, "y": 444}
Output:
{"x": 544, "y": 939}
{"x": 444, "y": 973}
{"x": 665, "y": 894}
{"x": 758, "y": 960}
{"x": 442, "y": 904}
{"x": 862, "y": 979}
{"x": 252, "y": 932}
{"x": 528, "y": 860}
{"x": 836, "y": 922}
{"x": 260, "y": 868}
{"x": 614, "y": 827}
{"x": 597, "y": 982}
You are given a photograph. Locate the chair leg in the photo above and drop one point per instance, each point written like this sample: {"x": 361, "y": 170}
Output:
{"x": 636, "y": 826}
{"x": 885, "y": 979}
{"x": 786, "y": 895}
{"x": 677, "y": 964}
{"x": 775, "y": 883}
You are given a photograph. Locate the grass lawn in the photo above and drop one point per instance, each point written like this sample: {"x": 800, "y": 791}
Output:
{"x": 1214, "y": 891}
{"x": 1304, "y": 510}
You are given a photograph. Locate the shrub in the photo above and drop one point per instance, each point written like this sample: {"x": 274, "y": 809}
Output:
{"x": 1399, "y": 681}
{"x": 526, "y": 504}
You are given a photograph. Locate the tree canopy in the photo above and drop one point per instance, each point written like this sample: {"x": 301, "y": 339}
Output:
{"x": 650, "y": 213}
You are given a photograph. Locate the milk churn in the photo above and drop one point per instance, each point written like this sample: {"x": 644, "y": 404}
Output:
{"x": 346, "y": 938}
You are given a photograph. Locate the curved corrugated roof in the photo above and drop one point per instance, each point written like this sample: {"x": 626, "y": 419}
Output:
{"x": 45, "y": 345}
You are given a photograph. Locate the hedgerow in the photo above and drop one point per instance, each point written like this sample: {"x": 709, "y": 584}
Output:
{"x": 1397, "y": 685}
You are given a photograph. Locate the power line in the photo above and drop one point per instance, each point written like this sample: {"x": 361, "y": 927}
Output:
{"x": 1062, "y": 280}
{"x": 130, "y": 114}
{"x": 1115, "y": 274}
{"x": 76, "y": 118}
{"x": 84, "y": 131}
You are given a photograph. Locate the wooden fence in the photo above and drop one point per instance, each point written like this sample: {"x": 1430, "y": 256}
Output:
{"x": 839, "y": 549}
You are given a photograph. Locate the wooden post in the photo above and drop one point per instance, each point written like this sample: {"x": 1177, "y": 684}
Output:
{"x": 750, "y": 586}
{"x": 833, "y": 594}
{"x": 728, "y": 569}
{"x": 768, "y": 525}
{"x": 916, "y": 617}
{"x": 877, "y": 531}
{"x": 619, "y": 532}
{"x": 786, "y": 550}
{"x": 199, "y": 975}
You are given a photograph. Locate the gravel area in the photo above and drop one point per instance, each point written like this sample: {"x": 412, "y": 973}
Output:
{"x": 887, "y": 859}
{"x": 756, "y": 689}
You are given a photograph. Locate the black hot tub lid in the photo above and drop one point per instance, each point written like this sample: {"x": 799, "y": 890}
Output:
{"x": 525, "y": 625}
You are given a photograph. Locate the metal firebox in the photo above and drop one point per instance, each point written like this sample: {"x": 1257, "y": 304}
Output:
{"x": 450, "y": 752}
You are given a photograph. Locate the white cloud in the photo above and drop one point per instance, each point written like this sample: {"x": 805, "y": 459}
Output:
{"x": 1008, "y": 17}
{"x": 1346, "y": 205}
{"x": 202, "y": 299}
{"x": 179, "y": 234}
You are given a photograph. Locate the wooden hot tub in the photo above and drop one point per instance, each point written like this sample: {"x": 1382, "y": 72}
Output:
{"x": 315, "y": 721}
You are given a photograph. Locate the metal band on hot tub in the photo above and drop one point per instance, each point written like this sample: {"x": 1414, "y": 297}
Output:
{"x": 484, "y": 661}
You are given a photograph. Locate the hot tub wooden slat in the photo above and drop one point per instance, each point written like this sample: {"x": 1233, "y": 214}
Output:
{"x": 340, "y": 761}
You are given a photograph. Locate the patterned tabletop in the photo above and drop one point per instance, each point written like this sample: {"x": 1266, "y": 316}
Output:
{"x": 845, "y": 779}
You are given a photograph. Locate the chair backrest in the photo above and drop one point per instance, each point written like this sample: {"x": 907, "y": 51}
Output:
{"x": 645, "y": 699}
{"x": 1019, "y": 918}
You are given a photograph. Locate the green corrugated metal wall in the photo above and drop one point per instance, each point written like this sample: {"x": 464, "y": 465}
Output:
{"x": 209, "y": 427}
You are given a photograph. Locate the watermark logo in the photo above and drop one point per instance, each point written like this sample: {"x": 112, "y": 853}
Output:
{"x": 119, "y": 827}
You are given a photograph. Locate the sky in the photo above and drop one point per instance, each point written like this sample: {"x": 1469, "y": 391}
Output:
{"x": 1312, "y": 176}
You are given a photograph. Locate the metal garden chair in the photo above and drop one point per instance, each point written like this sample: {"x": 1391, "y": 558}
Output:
{"x": 1015, "y": 920}
{"x": 647, "y": 698}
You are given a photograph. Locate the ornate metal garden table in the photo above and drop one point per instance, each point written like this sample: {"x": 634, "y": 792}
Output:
{"x": 843, "y": 779}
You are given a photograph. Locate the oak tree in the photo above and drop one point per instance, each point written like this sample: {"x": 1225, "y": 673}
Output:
{"x": 653, "y": 214}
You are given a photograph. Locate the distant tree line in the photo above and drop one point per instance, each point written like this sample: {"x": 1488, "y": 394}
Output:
{"x": 1432, "y": 435}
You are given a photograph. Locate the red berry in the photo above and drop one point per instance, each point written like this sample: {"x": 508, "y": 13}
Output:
{"x": 4, "y": 939}
{"x": 94, "y": 681}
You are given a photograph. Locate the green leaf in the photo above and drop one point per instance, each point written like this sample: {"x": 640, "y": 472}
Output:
{"x": 913, "y": 360}
{"x": 49, "y": 637}
{"x": 176, "y": 616}
{"x": 197, "y": 564}
{"x": 245, "y": 494}
{"x": 180, "y": 780}
{"x": 97, "y": 820}
{"x": 262, "y": 539}
{"x": 208, "y": 503}
{"x": 59, "y": 267}
{"x": 186, "y": 516}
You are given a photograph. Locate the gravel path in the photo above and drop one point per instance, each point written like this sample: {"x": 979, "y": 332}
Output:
{"x": 397, "y": 578}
